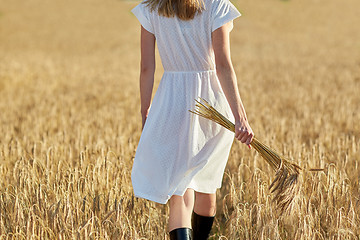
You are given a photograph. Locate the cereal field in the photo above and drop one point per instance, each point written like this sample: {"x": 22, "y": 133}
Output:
{"x": 70, "y": 120}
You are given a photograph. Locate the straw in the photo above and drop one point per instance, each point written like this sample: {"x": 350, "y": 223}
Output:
{"x": 285, "y": 185}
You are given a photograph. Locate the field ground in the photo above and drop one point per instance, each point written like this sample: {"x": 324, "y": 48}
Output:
{"x": 70, "y": 122}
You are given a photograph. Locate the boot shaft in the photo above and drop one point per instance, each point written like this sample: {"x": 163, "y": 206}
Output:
{"x": 181, "y": 234}
{"x": 201, "y": 226}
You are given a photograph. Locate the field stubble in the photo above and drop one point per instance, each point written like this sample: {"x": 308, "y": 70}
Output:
{"x": 70, "y": 121}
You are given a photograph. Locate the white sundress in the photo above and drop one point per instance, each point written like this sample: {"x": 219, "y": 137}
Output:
{"x": 177, "y": 149}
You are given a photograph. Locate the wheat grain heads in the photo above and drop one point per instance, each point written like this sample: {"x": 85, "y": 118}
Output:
{"x": 285, "y": 185}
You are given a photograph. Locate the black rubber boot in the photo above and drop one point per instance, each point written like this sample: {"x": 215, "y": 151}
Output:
{"x": 201, "y": 226}
{"x": 181, "y": 234}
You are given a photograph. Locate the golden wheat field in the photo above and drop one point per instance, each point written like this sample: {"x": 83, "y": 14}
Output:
{"x": 70, "y": 121}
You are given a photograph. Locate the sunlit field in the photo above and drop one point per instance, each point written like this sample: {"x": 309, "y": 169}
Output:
{"x": 70, "y": 121}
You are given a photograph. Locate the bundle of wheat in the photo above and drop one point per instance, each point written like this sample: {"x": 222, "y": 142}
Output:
{"x": 285, "y": 185}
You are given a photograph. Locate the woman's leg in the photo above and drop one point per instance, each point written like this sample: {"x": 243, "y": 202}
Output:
{"x": 203, "y": 216}
{"x": 205, "y": 204}
{"x": 181, "y": 208}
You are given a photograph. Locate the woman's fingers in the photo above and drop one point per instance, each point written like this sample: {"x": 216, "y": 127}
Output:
{"x": 245, "y": 136}
{"x": 237, "y": 134}
{"x": 249, "y": 139}
{"x": 244, "y": 133}
{"x": 241, "y": 135}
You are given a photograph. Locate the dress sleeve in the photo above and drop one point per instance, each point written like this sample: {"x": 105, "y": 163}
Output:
{"x": 224, "y": 11}
{"x": 142, "y": 13}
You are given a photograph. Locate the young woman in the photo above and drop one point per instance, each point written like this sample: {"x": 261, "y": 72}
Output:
{"x": 181, "y": 157}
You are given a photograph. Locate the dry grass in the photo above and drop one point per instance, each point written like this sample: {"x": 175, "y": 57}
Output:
{"x": 70, "y": 122}
{"x": 285, "y": 186}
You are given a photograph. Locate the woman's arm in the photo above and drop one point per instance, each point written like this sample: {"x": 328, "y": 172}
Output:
{"x": 227, "y": 78}
{"x": 147, "y": 70}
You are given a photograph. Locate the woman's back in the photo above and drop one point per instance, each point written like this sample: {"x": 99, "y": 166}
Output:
{"x": 185, "y": 46}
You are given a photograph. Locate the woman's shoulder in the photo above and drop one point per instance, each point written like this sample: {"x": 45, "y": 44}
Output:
{"x": 214, "y": 4}
{"x": 216, "y": 1}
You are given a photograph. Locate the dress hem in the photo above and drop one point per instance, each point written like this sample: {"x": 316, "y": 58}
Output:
{"x": 151, "y": 198}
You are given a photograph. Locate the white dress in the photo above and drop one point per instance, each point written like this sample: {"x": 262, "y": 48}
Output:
{"x": 178, "y": 150}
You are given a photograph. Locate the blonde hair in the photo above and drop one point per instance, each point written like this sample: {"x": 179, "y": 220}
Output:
{"x": 183, "y": 9}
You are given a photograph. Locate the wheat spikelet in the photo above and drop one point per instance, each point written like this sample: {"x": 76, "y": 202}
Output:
{"x": 285, "y": 185}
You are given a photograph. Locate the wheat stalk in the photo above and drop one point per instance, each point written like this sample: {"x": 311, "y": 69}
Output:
{"x": 285, "y": 185}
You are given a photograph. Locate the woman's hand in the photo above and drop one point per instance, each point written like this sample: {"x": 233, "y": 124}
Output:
{"x": 243, "y": 132}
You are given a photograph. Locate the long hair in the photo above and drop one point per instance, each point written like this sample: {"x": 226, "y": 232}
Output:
{"x": 183, "y": 9}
